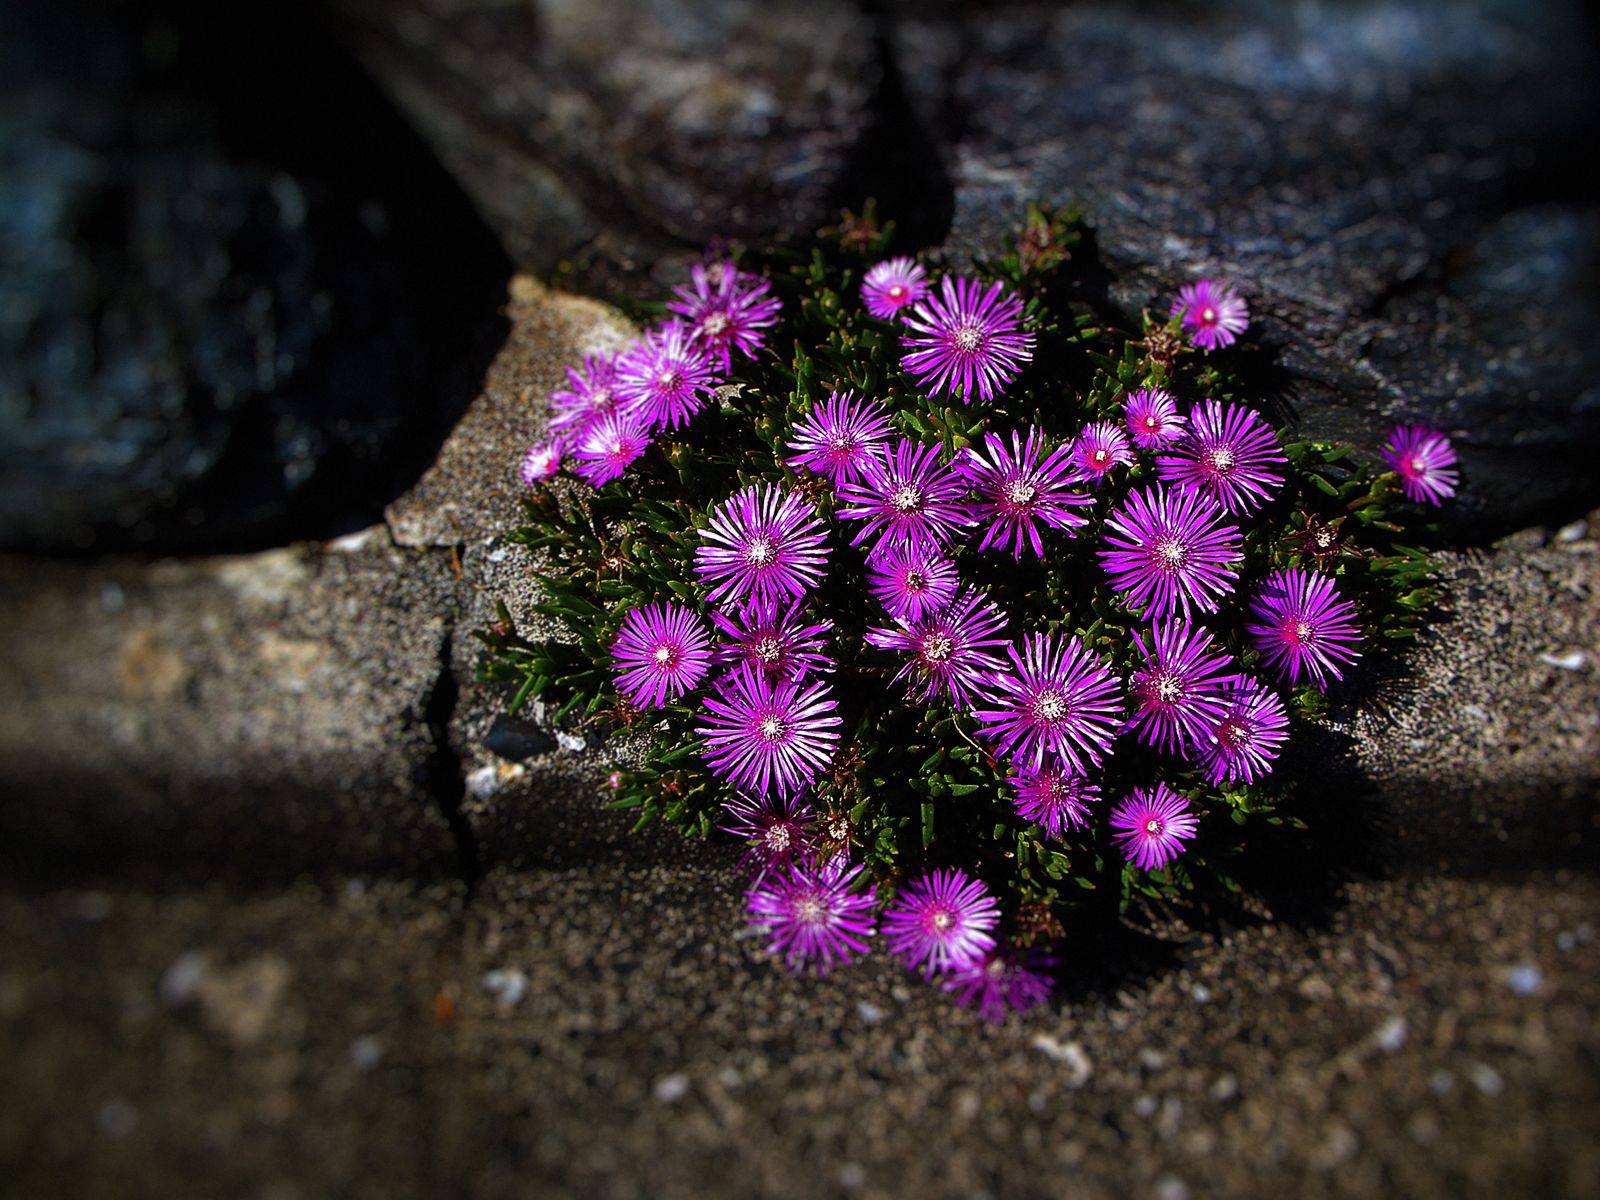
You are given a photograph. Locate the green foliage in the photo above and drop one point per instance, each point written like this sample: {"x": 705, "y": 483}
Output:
{"x": 911, "y": 786}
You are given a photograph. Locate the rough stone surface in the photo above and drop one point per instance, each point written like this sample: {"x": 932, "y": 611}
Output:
{"x": 218, "y": 329}
{"x": 248, "y": 716}
{"x": 1435, "y": 1038}
{"x": 623, "y": 129}
{"x": 470, "y": 490}
{"x": 1398, "y": 188}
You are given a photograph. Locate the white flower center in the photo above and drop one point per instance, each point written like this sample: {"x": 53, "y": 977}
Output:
{"x": 669, "y": 380}
{"x": 1302, "y": 634}
{"x": 1100, "y": 457}
{"x": 841, "y": 444}
{"x": 1233, "y": 733}
{"x": 1051, "y": 705}
{"x": 942, "y": 919}
{"x": 768, "y": 649}
{"x": 1208, "y": 315}
{"x": 897, "y": 291}
{"x": 908, "y": 498}
{"x": 915, "y": 581}
{"x": 1418, "y": 467}
{"x": 773, "y": 728}
{"x": 1220, "y": 459}
{"x": 1153, "y": 826}
{"x": 1171, "y": 552}
{"x": 1168, "y": 689}
{"x": 760, "y": 550}
{"x": 967, "y": 338}
{"x": 1152, "y": 423}
{"x": 809, "y": 911}
{"x": 1020, "y": 492}
{"x": 665, "y": 655}
{"x": 937, "y": 647}
{"x": 777, "y": 838}
{"x": 715, "y": 325}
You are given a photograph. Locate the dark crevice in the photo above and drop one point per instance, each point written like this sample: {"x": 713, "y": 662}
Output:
{"x": 441, "y": 773}
{"x": 897, "y": 162}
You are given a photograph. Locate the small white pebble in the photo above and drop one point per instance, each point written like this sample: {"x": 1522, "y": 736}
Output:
{"x": 1144, "y": 1106}
{"x": 1525, "y": 979}
{"x": 852, "y": 1177}
{"x": 1565, "y": 940}
{"x": 1391, "y": 1035}
{"x": 1486, "y": 1079}
{"x": 1225, "y": 1088}
{"x": 669, "y": 1089}
{"x": 366, "y": 1052}
{"x": 1152, "y": 1060}
{"x": 117, "y": 1118}
{"x": 1170, "y": 1187}
{"x": 94, "y": 906}
{"x": 1201, "y": 993}
{"x": 871, "y": 1014}
{"x": 1571, "y": 660}
{"x": 181, "y": 980}
{"x": 506, "y": 985}
{"x": 354, "y": 889}
{"x": 483, "y": 783}
{"x": 498, "y": 554}
{"x": 571, "y": 742}
{"x": 1584, "y": 933}
{"x": 1476, "y": 711}
{"x": 730, "y": 1078}
{"x": 1069, "y": 1054}
{"x": 1441, "y": 1082}
{"x": 112, "y": 598}
{"x": 1575, "y": 532}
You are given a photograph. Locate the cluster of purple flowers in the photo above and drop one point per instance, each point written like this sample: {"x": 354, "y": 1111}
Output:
{"x": 1046, "y": 705}
{"x": 607, "y": 415}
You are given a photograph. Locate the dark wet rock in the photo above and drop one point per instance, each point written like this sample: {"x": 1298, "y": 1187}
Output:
{"x": 516, "y": 740}
{"x": 1401, "y": 190}
{"x": 218, "y": 329}
{"x": 624, "y": 130}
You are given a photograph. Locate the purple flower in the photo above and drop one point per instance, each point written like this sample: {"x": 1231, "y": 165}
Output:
{"x": 968, "y": 339}
{"x": 1058, "y": 699}
{"x": 778, "y": 830}
{"x": 608, "y": 446}
{"x": 1214, "y": 312}
{"x": 949, "y": 648}
{"x": 1178, "y": 687}
{"x": 1169, "y": 551}
{"x": 1054, "y": 797}
{"x": 812, "y": 914}
{"x": 1097, "y": 450}
{"x": 664, "y": 380}
{"x": 912, "y": 583}
{"x": 1152, "y": 824}
{"x": 1002, "y": 980}
{"x": 1229, "y": 454}
{"x": 775, "y": 639}
{"x": 906, "y": 498}
{"x": 892, "y": 285}
{"x": 1152, "y": 418}
{"x": 662, "y": 651}
{"x": 1302, "y": 627}
{"x": 1246, "y": 735}
{"x": 1425, "y": 462}
{"x": 766, "y": 735}
{"x": 941, "y": 922}
{"x": 590, "y": 396}
{"x": 762, "y": 545}
{"x": 541, "y": 462}
{"x": 1017, "y": 489}
{"x": 839, "y": 437}
{"x": 727, "y": 309}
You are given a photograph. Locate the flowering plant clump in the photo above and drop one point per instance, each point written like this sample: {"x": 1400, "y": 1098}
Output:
{"x": 958, "y": 606}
